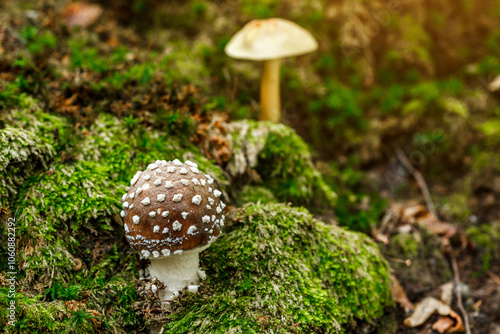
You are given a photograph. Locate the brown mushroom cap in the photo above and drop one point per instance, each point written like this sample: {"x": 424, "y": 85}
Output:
{"x": 171, "y": 207}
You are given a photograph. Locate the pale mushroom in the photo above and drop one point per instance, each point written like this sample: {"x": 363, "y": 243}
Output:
{"x": 270, "y": 40}
{"x": 172, "y": 212}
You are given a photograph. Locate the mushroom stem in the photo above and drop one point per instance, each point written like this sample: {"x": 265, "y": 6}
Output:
{"x": 270, "y": 91}
{"x": 176, "y": 272}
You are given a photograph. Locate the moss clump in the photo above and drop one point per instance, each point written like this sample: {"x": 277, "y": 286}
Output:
{"x": 428, "y": 264}
{"x": 281, "y": 159}
{"x": 21, "y": 153}
{"x": 255, "y": 194}
{"x": 279, "y": 266}
{"x": 487, "y": 237}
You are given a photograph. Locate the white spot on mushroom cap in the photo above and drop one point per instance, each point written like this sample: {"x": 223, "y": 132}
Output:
{"x": 152, "y": 166}
{"x": 195, "y": 170}
{"x": 146, "y": 201}
{"x": 190, "y": 163}
{"x": 155, "y": 254}
{"x": 177, "y": 162}
{"x": 145, "y": 186}
{"x": 165, "y": 213}
{"x": 157, "y": 182}
{"x": 211, "y": 201}
{"x": 184, "y": 214}
{"x": 195, "y": 182}
{"x": 169, "y": 184}
{"x": 125, "y": 204}
{"x": 202, "y": 182}
{"x": 147, "y": 177}
{"x": 171, "y": 169}
{"x": 213, "y": 218}
{"x": 127, "y": 188}
{"x": 152, "y": 214}
{"x": 209, "y": 189}
{"x": 197, "y": 199}
{"x": 159, "y": 171}
{"x": 165, "y": 252}
{"x": 138, "y": 191}
{"x": 165, "y": 230}
{"x": 132, "y": 195}
{"x": 124, "y": 197}
{"x": 177, "y": 198}
{"x": 125, "y": 226}
{"x": 218, "y": 209}
{"x": 208, "y": 207}
{"x": 205, "y": 219}
{"x": 136, "y": 219}
{"x": 145, "y": 253}
{"x": 209, "y": 179}
{"x": 183, "y": 171}
{"x": 222, "y": 205}
{"x": 156, "y": 229}
{"x": 135, "y": 178}
{"x": 178, "y": 252}
{"x": 185, "y": 182}
{"x": 217, "y": 193}
{"x": 176, "y": 226}
{"x": 192, "y": 230}
{"x": 122, "y": 214}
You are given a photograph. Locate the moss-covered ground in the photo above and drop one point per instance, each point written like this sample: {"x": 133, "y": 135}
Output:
{"x": 83, "y": 108}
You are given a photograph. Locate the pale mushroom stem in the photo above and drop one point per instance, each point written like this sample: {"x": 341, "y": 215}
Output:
{"x": 176, "y": 272}
{"x": 270, "y": 91}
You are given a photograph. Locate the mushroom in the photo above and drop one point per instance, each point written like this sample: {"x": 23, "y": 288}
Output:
{"x": 270, "y": 40}
{"x": 172, "y": 212}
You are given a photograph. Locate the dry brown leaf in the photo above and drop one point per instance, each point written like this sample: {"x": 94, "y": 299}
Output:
{"x": 443, "y": 324}
{"x": 399, "y": 295}
{"x": 81, "y": 14}
{"x": 429, "y": 306}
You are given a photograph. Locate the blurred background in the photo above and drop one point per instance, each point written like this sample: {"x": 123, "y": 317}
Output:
{"x": 417, "y": 77}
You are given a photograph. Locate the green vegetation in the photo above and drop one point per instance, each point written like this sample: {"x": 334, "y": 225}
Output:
{"x": 276, "y": 262}
{"x": 487, "y": 239}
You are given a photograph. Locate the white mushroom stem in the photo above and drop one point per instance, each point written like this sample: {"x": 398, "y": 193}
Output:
{"x": 270, "y": 91}
{"x": 176, "y": 272}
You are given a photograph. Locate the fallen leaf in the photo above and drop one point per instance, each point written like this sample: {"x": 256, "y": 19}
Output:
{"x": 81, "y": 14}
{"x": 399, "y": 295}
{"x": 443, "y": 324}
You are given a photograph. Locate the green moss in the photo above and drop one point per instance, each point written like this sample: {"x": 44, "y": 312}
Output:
{"x": 279, "y": 263}
{"x": 487, "y": 238}
{"x": 283, "y": 161}
{"x": 21, "y": 153}
{"x": 428, "y": 264}
{"x": 255, "y": 194}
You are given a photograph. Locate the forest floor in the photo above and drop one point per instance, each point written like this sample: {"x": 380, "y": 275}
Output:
{"x": 434, "y": 224}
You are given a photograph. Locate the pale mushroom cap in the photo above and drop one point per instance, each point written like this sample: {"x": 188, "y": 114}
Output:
{"x": 270, "y": 39}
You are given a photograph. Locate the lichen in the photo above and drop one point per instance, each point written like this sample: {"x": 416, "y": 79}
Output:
{"x": 277, "y": 270}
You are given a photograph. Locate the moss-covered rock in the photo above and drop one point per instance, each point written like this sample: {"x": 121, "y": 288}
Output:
{"x": 281, "y": 159}
{"x": 277, "y": 270}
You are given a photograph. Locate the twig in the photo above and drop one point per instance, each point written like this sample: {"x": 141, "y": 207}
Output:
{"x": 456, "y": 279}
{"x": 420, "y": 180}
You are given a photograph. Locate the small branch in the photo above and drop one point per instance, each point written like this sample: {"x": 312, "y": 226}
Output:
{"x": 456, "y": 279}
{"x": 420, "y": 180}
